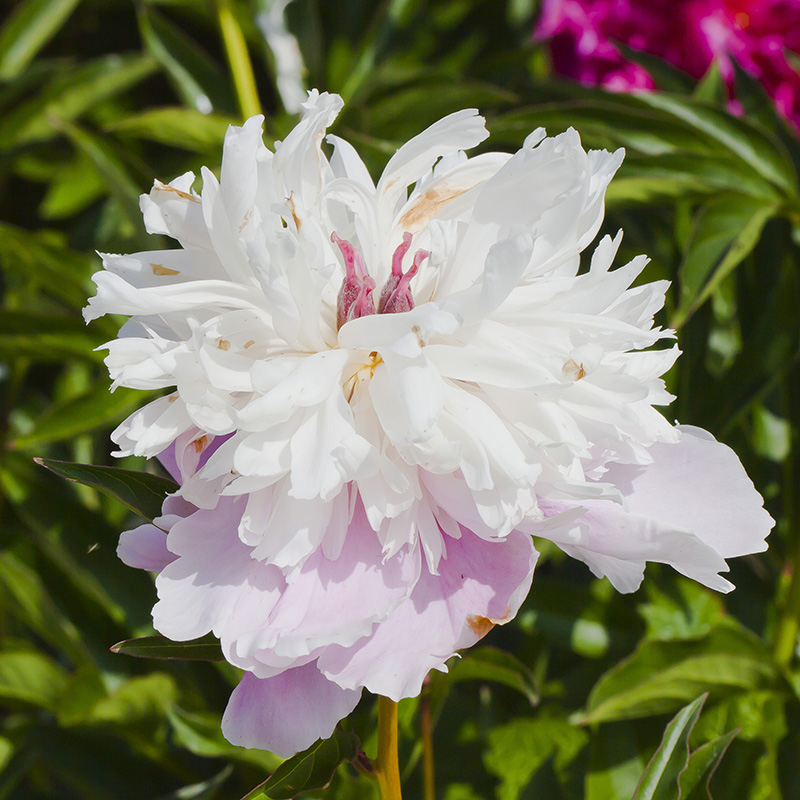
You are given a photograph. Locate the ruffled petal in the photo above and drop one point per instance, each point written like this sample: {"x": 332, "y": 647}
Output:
{"x": 480, "y": 584}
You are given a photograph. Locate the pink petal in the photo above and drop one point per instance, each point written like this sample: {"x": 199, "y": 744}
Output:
{"x": 699, "y": 485}
{"x": 480, "y": 584}
{"x": 287, "y": 713}
{"x": 692, "y": 508}
{"x": 145, "y": 547}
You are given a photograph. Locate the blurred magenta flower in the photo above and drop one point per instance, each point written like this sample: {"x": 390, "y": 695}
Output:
{"x": 381, "y": 393}
{"x": 688, "y": 33}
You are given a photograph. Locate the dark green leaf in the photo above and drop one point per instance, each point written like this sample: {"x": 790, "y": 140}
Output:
{"x": 205, "y": 649}
{"x": 309, "y": 770}
{"x": 660, "y": 779}
{"x": 497, "y": 666}
{"x": 142, "y": 492}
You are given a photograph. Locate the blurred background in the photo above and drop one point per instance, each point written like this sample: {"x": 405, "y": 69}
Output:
{"x": 100, "y": 97}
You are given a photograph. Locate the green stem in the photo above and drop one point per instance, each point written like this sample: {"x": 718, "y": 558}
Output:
{"x": 239, "y": 59}
{"x": 387, "y": 768}
{"x": 789, "y": 622}
{"x": 426, "y": 723}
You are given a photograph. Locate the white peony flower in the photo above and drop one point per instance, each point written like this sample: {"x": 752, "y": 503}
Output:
{"x": 381, "y": 395}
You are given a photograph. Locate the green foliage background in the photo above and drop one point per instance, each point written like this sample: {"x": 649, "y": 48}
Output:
{"x": 97, "y": 98}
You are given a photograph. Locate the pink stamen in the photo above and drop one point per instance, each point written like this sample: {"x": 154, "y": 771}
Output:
{"x": 355, "y": 296}
{"x": 396, "y": 294}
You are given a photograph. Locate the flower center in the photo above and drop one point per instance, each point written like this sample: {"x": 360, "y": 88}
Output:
{"x": 355, "y": 297}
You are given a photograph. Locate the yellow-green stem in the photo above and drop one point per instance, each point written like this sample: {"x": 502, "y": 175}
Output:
{"x": 426, "y": 723}
{"x": 387, "y": 768}
{"x": 789, "y": 622}
{"x": 244, "y": 80}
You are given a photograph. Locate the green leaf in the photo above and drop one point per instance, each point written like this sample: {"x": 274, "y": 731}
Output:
{"x": 72, "y": 187}
{"x": 660, "y": 675}
{"x": 27, "y": 29}
{"x": 752, "y": 145}
{"x": 725, "y": 232}
{"x": 177, "y": 127}
{"x": 660, "y": 779}
{"x": 194, "y": 73}
{"x": 136, "y": 699}
{"x": 497, "y": 666}
{"x": 203, "y": 790}
{"x": 309, "y": 770}
{"x": 109, "y": 166}
{"x": 703, "y": 763}
{"x": 140, "y": 491}
{"x": 70, "y": 95}
{"x": 518, "y": 749}
{"x": 711, "y": 88}
{"x": 94, "y": 409}
{"x": 30, "y": 677}
{"x": 205, "y": 649}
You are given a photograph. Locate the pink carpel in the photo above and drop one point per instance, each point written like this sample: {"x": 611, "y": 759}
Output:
{"x": 355, "y": 296}
{"x": 396, "y": 294}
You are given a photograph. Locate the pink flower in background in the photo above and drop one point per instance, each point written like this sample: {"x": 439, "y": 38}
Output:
{"x": 688, "y": 33}
{"x": 381, "y": 392}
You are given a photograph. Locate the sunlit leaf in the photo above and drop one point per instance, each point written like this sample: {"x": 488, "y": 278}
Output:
{"x": 703, "y": 763}
{"x": 29, "y": 677}
{"x": 27, "y": 29}
{"x": 661, "y": 675}
{"x": 660, "y": 779}
{"x": 178, "y": 127}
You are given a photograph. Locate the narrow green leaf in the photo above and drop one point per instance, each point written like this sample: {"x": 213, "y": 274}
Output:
{"x": 711, "y": 87}
{"x": 725, "y": 232}
{"x": 70, "y": 95}
{"x": 660, "y": 779}
{"x": 309, "y": 770}
{"x": 203, "y": 789}
{"x": 178, "y": 127}
{"x": 205, "y": 649}
{"x": 94, "y": 409}
{"x": 703, "y": 763}
{"x": 109, "y": 166}
{"x": 140, "y": 491}
{"x": 752, "y": 145}
{"x": 193, "y": 72}
{"x": 27, "y": 29}
{"x": 497, "y": 666}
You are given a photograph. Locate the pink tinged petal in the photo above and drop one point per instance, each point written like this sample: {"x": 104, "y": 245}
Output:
{"x": 199, "y": 591}
{"x": 145, "y": 547}
{"x": 480, "y": 584}
{"x": 337, "y": 602}
{"x": 700, "y": 485}
{"x": 287, "y": 713}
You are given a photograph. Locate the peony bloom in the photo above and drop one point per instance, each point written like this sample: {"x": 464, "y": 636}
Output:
{"x": 380, "y": 397}
{"x": 688, "y": 33}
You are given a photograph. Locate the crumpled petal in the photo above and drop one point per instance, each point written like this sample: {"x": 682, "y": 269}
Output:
{"x": 480, "y": 584}
{"x": 286, "y": 713}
